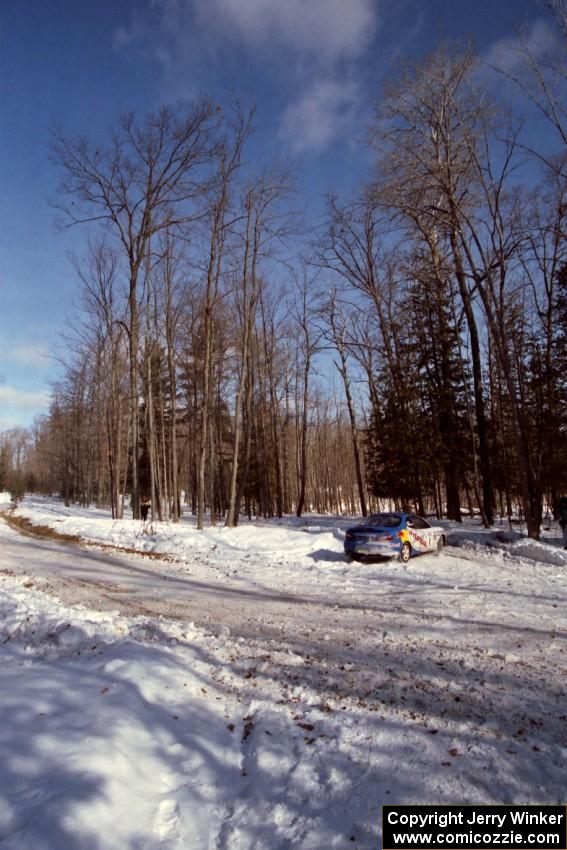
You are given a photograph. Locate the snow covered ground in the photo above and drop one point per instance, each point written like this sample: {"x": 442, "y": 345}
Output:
{"x": 254, "y": 690}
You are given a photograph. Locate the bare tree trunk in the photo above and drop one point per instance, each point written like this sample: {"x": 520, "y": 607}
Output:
{"x": 303, "y": 436}
{"x": 338, "y": 340}
{"x": 249, "y": 282}
{"x": 259, "y": 228}
{"x": 170, "y": 336}
{"x": 228, "y": 164}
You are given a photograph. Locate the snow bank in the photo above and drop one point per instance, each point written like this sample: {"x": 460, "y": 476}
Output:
{"x": 145, "y": 733}
{"x": 303, "y": 543}
{"x": 512, "y": 544}
{"x": 290, "y": 553}
{"x": 356, "y": 685}
{"x": 111, "y": 737}
{"x": 142, "y": 733}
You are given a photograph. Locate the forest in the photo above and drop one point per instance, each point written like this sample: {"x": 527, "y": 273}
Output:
{"x": 232, "y": 359}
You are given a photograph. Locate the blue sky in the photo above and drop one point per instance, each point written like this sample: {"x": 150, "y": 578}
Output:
{"x": 311, "y": 67}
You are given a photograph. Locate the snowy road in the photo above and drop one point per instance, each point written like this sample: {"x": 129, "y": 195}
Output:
{"x": 419, "y": 619}
{"x": 450, "y": 604}
{"x": 138, "y": 585}
{"x": 358, "y": 615}
{"x": 345, "y": 686}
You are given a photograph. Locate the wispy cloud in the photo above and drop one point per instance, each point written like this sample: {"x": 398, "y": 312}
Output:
{"x": 23, "y": 399}
{"x": 34, "y": 356}
{"x": 319, "y": 115}
{"x": 310, "y": 51}
{"x": 328, "y": 29}
{"x": 7, "y": 422}
{"x": 506, "y": 54}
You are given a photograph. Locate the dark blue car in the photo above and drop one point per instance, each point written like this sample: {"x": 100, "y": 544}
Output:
{"x": 393, "y": 534}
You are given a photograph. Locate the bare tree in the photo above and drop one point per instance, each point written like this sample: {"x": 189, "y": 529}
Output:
{"x": 98, "y": 280}
{"x": 304, "y": 311}
{"x": 337, "y": 336}
{"x": 145, "y": 182}
{"x": 229, "y": 161}
{"x": 429, "y": 135}
{"x": 264, "y": 224}
{"x": 541, "y": 75}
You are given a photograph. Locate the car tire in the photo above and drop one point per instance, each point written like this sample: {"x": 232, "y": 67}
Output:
{"x": 405, "y": 552}
{"x": 440, "y": 545}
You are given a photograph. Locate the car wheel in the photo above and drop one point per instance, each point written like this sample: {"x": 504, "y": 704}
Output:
{"x": 440, "y": 545}
{"x": 405, "y": 553}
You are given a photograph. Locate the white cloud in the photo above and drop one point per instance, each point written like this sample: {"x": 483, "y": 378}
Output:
{"x": 8, "y": 422}
{"x": 506, "y": 54}
{"x": 23, "y": 399}
{"x": 28, "y": 355}
{"x": 319, "y": 115}
{"x": 325, "y": 28}
{"x": 311, "y": 47}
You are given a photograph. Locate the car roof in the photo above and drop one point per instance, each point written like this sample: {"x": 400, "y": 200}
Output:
{"x": 369, "y": 519}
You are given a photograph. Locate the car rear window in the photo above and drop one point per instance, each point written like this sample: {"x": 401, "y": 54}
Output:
{"x": 383, "y": 520}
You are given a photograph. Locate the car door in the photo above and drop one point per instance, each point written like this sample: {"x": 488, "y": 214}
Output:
{"x": 420, "y": 539}
{"x": 431, "y": 533}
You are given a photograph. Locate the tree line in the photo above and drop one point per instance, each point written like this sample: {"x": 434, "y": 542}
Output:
{"x": 411, "y": 351}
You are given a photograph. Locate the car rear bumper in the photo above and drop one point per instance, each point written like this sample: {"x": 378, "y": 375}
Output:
{"x": 384, "y": 548}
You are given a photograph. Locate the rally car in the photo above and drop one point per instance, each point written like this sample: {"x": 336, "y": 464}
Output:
{"x": 393, "y": 534}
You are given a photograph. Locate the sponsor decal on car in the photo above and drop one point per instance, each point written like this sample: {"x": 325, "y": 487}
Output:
{"x": 420, "y": 540}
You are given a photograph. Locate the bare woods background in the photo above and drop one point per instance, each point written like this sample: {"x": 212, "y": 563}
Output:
{"x": 409, "y": 347}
